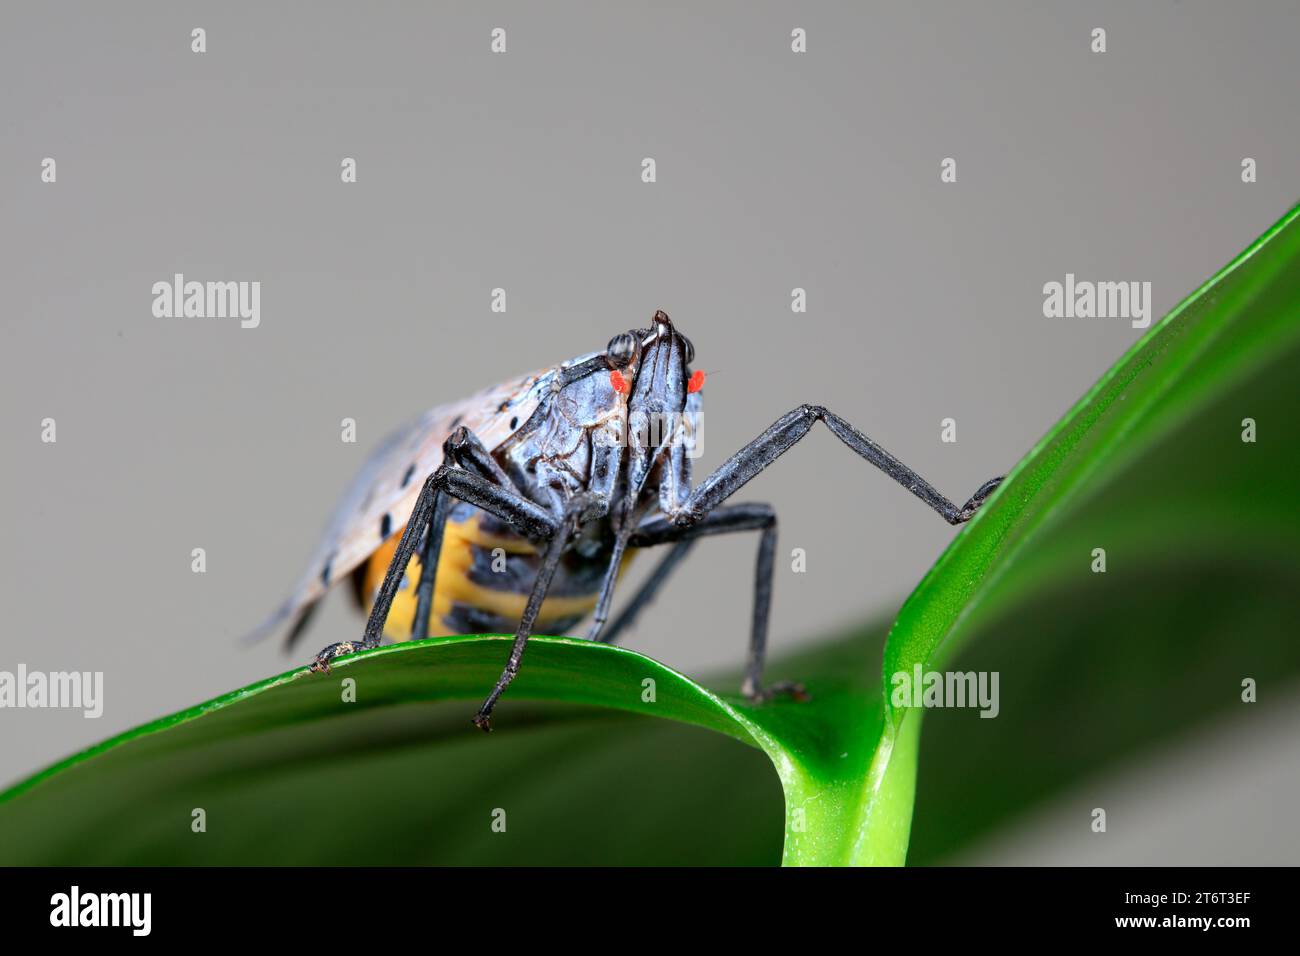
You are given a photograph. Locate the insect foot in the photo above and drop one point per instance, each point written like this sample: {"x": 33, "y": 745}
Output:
{"x": 483, "y": 722}
{"x": 977, "y": 499}
{"x": 785, "y": 688}
{"x": 321, "y": 664}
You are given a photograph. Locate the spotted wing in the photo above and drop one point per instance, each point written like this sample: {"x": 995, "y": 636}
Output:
{"x": 382, "y": 496}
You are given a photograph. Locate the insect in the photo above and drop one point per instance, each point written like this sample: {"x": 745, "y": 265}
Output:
{"x": 516, "y": 509}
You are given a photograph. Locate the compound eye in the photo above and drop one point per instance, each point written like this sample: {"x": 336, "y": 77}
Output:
{"x": 690, "y": 349}
{"x": 621, "y": 350}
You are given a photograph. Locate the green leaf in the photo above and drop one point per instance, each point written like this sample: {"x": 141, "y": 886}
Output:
{"x": 1202, "y": 541}
{"x": 286, "y": 771}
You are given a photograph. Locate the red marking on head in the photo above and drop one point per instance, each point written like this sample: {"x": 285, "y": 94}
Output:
{"x": 618, "y": 383}
{"x": 697, "y": 382}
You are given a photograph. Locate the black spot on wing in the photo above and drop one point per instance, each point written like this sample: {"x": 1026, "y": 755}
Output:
{"x": 410, "y": 473}
{"x": 385, "y": 526}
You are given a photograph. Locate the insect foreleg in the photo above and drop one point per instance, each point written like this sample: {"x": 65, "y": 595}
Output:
{"x": 525, "y": 517}
{"x": 724, "y": 520}
{"x": 550, "y": 561}
{"x": 786, "y": 431}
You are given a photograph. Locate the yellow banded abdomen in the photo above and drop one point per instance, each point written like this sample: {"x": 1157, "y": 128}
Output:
{"x": 480, "y": 589}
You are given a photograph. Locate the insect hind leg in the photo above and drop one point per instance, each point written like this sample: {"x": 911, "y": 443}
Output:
{"x": 464, "y": 449}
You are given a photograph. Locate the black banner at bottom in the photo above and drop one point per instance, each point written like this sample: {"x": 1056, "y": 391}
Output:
{"x": 337, "y": 905}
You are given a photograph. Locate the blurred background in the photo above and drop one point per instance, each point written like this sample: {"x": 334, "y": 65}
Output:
{"x": 522, "y": 171}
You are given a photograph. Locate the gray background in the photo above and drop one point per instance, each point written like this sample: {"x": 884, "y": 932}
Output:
{"x": 522, "y": 170}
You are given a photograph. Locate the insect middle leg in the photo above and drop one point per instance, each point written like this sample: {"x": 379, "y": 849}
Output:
{"x": 724, "y": 520}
